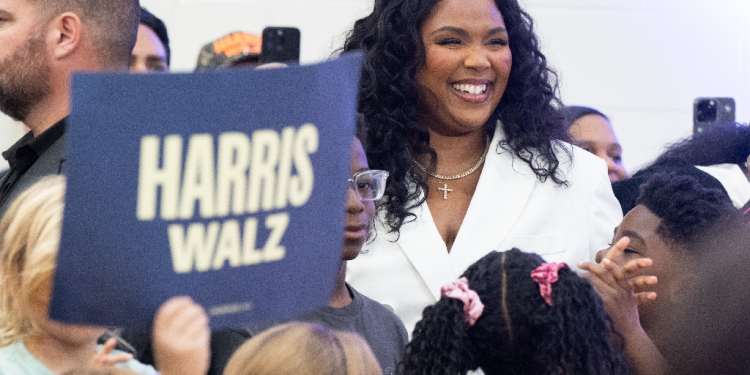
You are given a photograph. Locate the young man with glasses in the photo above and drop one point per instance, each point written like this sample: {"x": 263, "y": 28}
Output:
{"x": 348, "y": 310}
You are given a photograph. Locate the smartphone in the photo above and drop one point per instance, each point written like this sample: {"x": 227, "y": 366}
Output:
{"x": 280, "y": 44}
{"x": 708, "y": 112}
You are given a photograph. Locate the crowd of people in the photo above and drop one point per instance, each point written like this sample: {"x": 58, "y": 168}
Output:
{"x": 489, "y": 227}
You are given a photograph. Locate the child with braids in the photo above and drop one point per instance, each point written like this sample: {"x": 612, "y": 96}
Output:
{"x": 511, "y": 313}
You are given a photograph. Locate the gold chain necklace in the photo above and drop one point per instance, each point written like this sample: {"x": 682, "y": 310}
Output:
{"x": 471, "y": 170}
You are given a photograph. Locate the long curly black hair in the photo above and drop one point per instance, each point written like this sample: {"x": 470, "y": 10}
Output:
{"x": 687, "y": 208}
{"x": 518, "y": 333}
{"x": 389, "y": 99}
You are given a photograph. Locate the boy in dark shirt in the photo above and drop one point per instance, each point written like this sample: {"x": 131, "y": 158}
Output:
{"x": 348, "y": 310}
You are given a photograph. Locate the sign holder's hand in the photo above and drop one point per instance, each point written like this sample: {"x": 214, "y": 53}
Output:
{"x": 181, "y": 338}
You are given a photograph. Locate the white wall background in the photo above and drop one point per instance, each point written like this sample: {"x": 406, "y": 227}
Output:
{"x": 641, "y": 62}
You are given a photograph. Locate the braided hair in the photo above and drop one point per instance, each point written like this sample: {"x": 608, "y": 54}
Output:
{"x": 518, "y": 332}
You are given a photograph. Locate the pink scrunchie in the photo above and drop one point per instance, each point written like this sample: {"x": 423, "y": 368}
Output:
{"x": 545, "y": 275}
{"x": 473, "y": 306}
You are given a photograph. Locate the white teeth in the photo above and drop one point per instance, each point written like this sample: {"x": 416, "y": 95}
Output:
{"x": 471, "y": 89}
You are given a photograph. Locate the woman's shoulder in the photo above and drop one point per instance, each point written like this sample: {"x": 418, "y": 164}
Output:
{"x": 15, "y": 359}
{"x": 578, "y": 163}
{"x": 575, "y": 164}
{"x": 15, "y": 348}
{"x": 573, "y": 159}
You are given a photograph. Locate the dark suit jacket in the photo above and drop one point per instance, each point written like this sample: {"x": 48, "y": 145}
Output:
{"x": 49, "y": 163}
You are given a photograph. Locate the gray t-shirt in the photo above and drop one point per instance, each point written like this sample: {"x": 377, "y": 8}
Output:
{"x": 380, "y": 327}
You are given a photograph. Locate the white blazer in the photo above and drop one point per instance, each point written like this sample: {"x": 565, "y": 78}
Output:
{"x": 510, "y": 208}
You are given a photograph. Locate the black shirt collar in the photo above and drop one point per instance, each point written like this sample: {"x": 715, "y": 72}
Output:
{"x": 29, "y": 148}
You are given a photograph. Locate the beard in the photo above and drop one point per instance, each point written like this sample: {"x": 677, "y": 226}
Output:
{"x": 24, "y": 78}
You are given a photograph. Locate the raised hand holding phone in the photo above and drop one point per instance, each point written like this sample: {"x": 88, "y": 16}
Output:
{"x": 280, "y": 44}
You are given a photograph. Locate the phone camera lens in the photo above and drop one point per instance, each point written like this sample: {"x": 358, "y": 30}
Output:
{"x": 706, "y": 111}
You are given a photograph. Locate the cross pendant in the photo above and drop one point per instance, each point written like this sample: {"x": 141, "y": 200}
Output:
{"x": 445, "y": 191}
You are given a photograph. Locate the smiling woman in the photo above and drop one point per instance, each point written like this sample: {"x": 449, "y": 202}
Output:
{"x": 461, "y": 110}
{"x": 466, "y": 67}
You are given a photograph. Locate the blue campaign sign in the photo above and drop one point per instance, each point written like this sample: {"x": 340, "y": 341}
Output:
{"x": 226, "y": 186}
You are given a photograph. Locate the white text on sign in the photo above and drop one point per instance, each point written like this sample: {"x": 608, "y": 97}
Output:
{"x": 246, "y": 174}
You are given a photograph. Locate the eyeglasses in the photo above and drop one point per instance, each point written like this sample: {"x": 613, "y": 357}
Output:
{"x": 369, "y": 185}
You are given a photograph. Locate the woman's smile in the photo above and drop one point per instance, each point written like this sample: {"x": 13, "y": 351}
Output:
{"x": 467, "y": 65}
{"x": 472, "y": 90}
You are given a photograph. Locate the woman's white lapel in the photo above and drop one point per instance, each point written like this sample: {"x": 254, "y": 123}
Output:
{"x": 503, "y": 189}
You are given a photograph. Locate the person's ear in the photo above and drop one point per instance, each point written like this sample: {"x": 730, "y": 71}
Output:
{"x": 67, "y": 30}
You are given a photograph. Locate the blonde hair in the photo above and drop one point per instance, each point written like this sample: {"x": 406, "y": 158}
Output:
{"x": 30, "y": 233}
{"x": 305, "y": 349}
{"x": 359, "y": 357}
